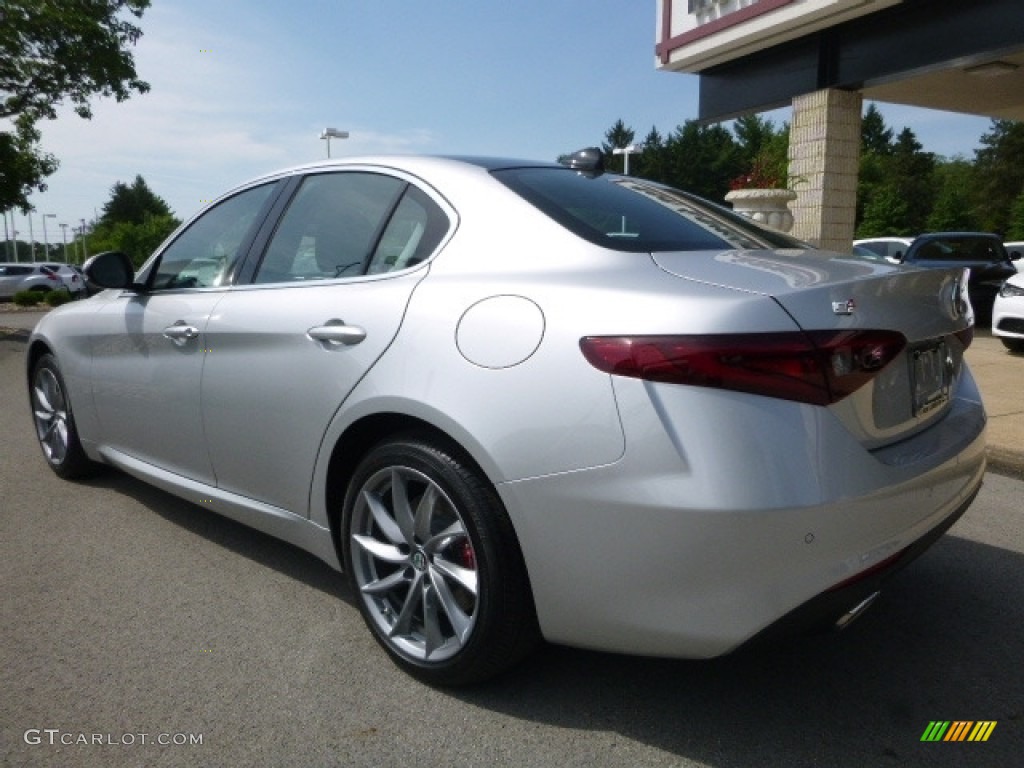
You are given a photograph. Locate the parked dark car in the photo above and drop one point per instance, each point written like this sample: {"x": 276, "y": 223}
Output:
{"x": 984, "y": 253}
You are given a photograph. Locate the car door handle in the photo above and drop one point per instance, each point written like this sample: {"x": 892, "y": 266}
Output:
{"x": 336, "y": 332}
{"x": 181, "y": 332}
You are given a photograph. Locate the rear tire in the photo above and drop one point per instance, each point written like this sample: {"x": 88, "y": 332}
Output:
{"x": 434, "y": 564}
{"x": 1014, "y": 345}
{"x": 55, "y": 422}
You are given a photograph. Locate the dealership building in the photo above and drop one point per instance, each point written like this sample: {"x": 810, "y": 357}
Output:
{"x": 824, "y": 57}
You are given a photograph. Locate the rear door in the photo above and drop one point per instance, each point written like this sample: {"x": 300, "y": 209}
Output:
{"x": 326, "y": 301}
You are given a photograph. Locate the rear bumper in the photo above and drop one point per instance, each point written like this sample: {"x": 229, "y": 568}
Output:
{"x": 727, "y": 514}
{"x": 832, "y": 606}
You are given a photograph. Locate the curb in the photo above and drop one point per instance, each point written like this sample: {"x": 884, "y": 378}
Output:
{"x": 1004, "y": 461}
{"x": 14, "y": 334}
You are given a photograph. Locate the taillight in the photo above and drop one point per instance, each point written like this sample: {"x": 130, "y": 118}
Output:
{"x": 966, "y": 336}
{"x": 818, "y": 367}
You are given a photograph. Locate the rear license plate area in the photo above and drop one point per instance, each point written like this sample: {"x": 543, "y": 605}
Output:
{"x": 931, "y": 374}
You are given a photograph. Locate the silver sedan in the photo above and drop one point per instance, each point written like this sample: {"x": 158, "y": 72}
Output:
{"x": 515, "y": 401}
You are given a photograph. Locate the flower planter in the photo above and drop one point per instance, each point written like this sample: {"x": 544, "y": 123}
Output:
{"x": 765, "y": 206}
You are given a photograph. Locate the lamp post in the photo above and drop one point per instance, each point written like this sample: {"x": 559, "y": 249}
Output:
{"x": 64, "y": 233}
{"x": 31, "y": 238}
{"x": 7, "y": 238}
{"x": 46, "y": 239}
{"x": 627, "y": 151}
{"x": 332, "y": 133}
{"x": 85, "y": 246}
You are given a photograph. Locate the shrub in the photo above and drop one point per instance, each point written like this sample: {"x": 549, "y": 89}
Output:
{"x": 27, "y": 298}
{"x": 58, "y": 297}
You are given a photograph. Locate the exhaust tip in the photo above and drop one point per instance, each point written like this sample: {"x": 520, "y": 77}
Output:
{"x": 856, "y": 612}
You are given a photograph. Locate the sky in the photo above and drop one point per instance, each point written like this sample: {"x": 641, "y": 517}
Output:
{"x": 240, "y": 88}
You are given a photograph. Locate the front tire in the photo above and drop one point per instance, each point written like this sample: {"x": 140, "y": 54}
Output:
{"x": 55, "y": 423}
{"x": 434, "y": 564}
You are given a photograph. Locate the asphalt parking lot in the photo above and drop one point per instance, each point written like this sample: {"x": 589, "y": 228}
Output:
{"x": 140, "y": 624}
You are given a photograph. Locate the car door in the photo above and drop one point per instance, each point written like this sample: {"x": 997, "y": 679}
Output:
{"x": 150, "y": 344}
{"x": 326, "y": 301}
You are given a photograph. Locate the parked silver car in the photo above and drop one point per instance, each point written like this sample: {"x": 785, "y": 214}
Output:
{"x": 515, "y": 400}
{"x": 39, "y": 276}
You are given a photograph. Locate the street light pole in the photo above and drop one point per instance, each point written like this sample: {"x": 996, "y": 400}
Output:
{"x": 627, "y": 151}
{"x": 46, "y": 239}
{"x": 332, "y": 133}
{"x": 64, "y": 233}
{"x": 85, "y": 246}
{"x": 31, "y": 238}
{"x": 7, "y": 238}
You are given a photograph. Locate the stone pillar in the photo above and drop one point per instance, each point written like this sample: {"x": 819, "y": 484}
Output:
{"x": 824, "y": 161}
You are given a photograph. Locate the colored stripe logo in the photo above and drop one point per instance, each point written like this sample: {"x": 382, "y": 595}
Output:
{"x": 958, "y": 730}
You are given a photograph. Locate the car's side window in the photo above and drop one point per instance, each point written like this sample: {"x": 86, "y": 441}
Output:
{"x": 330, "y": 227}
{"x": 203, "y": 255}
{"x": 416, "y": 227}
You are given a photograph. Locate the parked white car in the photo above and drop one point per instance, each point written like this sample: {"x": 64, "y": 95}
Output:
{"x": 890, "y": 248}
{"x": 39, "y": 276}
{"x": 1008, "y": 313}
{"x": 1015, "y": 247}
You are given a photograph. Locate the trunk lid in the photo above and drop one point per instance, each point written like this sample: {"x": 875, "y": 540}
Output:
{"x": 827, "y": 291}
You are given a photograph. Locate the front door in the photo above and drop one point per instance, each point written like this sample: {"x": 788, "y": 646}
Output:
{"x": 151, "y": 344}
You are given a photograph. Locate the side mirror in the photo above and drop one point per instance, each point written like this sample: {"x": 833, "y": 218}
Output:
{"x": 898, "y": 257}
{"x": 110, "y": 269}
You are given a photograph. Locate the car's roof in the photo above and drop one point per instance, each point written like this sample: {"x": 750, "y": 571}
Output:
{"x": 885, "y": 239}
{"x": 959, "y": 236}
{"x": 411, "y": 162}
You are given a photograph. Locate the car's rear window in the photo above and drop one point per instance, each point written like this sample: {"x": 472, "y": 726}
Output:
{"x": 962, "y": 249}
{"x": 629, "y": 214}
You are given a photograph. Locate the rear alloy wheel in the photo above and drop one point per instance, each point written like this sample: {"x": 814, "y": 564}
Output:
{"x": 54, "y": 422}
{"x": 433, "y": 560}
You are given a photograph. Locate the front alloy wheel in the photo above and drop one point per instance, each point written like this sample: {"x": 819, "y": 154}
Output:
{"x": 54, "y": 422}
{"x": 433, "y": 559}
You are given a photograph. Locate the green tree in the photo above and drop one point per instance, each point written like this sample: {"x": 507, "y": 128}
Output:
{"x": 875, "y": 136}
{"x": 885, "y": 213}
{"x": 911, "y": 173}
{"x": 895, "y": 188}
{"x": 953, "y": 209}
{"x": 57, "y": 50}
{"x": 1015, "y": 229}
{"x": 652, "y": 162}
{"x": 138, "y": 240}
{"x": 135, "y": 220}
{"x": 23, "y": 166}
{"x": 702, "y": 159}
{"x": 764, "y": 148}
{"x": 132, "y": 204}
{"x": 616, "y": 137}
{"x": 1000, "y": 173}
